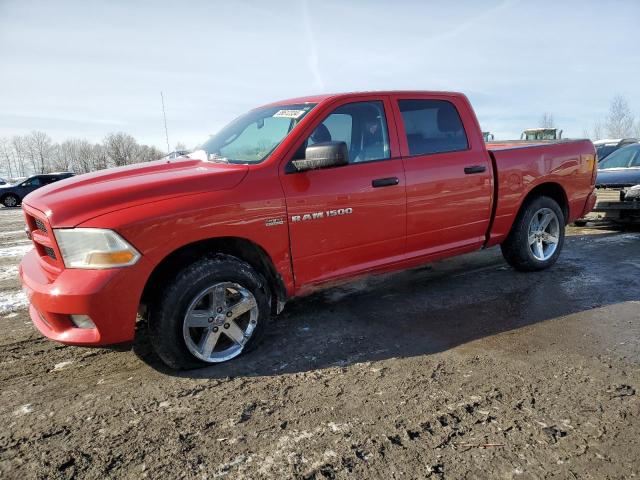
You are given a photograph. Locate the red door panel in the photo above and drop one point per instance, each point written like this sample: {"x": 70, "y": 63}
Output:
{"x": 446, "y": 207}
{"x": 339, "y": 223}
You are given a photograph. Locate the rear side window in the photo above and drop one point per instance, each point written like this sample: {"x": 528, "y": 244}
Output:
{"x": 432, "y": 126}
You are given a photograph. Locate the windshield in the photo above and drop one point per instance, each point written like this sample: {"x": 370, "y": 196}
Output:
{"x": 541, "y": 135}
{"x": 252, "y": 137}
{"x": 622, "y": 158}
{"x": 605, "y": 150}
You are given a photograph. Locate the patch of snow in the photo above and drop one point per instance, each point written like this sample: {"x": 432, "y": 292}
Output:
{"x": 12, "y": 300}
{"x": 9, "y": 272}
{"x": 626, "y": 237}
{"x": 24, "y": 409}
{"x": 11, "y": 233}
{"x": 16, "y": 250}
{"x": 61, "y": 365}
{"x": 584, "y": 283}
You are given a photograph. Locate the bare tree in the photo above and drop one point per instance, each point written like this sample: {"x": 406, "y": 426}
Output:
{"x": 145, "y": 153}
{"x": 121, "y": 148}
{"x": 58, "y": 161}
{"x": 180, "y": 147}
{"x": 18, "y": 145}
{"x": 36, "y": 153}
{"x": 99, "y": 157}
{"x": 7, "y": 156}
{"x": 546, "y": 121}
{"x": 620, "y": 121}
{"x": 39, "y": 148}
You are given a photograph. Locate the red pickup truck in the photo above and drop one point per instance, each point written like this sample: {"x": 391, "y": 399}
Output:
{"x": 287, "y": 198}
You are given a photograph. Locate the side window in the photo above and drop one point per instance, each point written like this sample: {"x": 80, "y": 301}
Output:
{"x": 32, "y": 182}
{"x": 361, "y": 125}
{"x": 432, "y": 126}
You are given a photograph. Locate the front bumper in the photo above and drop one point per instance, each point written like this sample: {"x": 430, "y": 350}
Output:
{"x": 109, "y": 297}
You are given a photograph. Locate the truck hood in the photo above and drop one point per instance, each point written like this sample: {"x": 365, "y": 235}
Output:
{"x": 72, "y": 201}
{"x": 618, "y": 177}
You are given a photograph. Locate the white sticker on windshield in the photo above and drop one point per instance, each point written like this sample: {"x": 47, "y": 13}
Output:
{"x": 288, "y": 114}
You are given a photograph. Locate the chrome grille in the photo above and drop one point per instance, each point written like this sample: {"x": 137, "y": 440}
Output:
{"x": 40, "y": 225}
{"x": 50, "y": 252}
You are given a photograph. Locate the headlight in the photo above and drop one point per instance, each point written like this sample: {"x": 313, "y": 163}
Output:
{"x": 94, "y": 248}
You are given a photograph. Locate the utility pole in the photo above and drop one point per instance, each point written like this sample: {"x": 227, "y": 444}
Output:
{"x": 164, "y": 114}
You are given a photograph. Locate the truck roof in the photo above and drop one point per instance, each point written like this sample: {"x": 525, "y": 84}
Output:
{"x": 326, "y": 96}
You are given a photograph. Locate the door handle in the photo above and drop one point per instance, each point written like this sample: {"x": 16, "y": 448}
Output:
{"x": 474, "y": 169}
{"x": 385, "y": 182}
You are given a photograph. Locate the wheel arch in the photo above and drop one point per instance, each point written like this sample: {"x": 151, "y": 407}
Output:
{"x": 549, "y": 189}
{"x": 238, "y": 247}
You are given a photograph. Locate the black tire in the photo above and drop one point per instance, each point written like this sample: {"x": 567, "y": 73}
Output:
{"x": 10, "y": 200}
{"x": 167, "y": 312}
{"x": 515, "y": 248}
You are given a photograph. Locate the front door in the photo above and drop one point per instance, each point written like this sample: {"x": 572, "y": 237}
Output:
{"x": 351, "y": 218}
{"x": 29, "y": 186}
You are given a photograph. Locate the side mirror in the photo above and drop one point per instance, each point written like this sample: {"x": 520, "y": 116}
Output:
{"x": 323, "y": 155}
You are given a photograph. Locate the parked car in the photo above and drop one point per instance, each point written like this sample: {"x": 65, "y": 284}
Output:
{"x": 541, "y": 134}
{"x": 11, "y": 195}
{"x": 288, "y": 198}
{"x": 618, "y": 185}
{"x": 607, "y": 146}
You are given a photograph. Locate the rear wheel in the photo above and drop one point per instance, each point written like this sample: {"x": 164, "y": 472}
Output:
{"x": 10, "y": 200}
{"x": 537, "y": 236}
{"x": 214, "y": 310}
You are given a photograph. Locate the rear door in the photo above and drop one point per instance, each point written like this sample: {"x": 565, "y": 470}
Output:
{"x": 351, "y": 218}
{"x": 448, "y": 171}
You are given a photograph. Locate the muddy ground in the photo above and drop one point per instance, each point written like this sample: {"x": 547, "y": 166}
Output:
{"x": 465, "y": 368}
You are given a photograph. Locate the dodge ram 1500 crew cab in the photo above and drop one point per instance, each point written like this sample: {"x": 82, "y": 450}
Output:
{"x": 286, "y": 198}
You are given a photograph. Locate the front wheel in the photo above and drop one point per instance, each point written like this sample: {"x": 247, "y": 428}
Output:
{"x": 537, "y": 236}
{"x": 214, "y": 309}
{"x": 10, "y": 200}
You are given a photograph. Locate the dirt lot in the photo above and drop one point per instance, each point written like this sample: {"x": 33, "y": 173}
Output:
{"x": 464, "y": 368}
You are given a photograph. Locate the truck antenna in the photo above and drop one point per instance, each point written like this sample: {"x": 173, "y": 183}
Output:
{"x": 164, "y": 114}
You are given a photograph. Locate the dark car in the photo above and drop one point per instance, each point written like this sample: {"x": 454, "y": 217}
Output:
{"x": 606, "y": 147}
{"x": 618, "y": 184}
{"x": 12, "y": 195}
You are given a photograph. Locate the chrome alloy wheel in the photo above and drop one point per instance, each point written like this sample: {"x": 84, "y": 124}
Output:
{"x": 219, "y": 322}
{"x": 544, "y": 234}
{"x": 11, "y": 201}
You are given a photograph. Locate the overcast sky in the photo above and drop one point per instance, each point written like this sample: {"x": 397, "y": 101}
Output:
{"x": 87, "y": 68}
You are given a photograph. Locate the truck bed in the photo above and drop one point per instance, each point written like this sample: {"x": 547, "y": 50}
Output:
{"x": 519, "y": 167}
